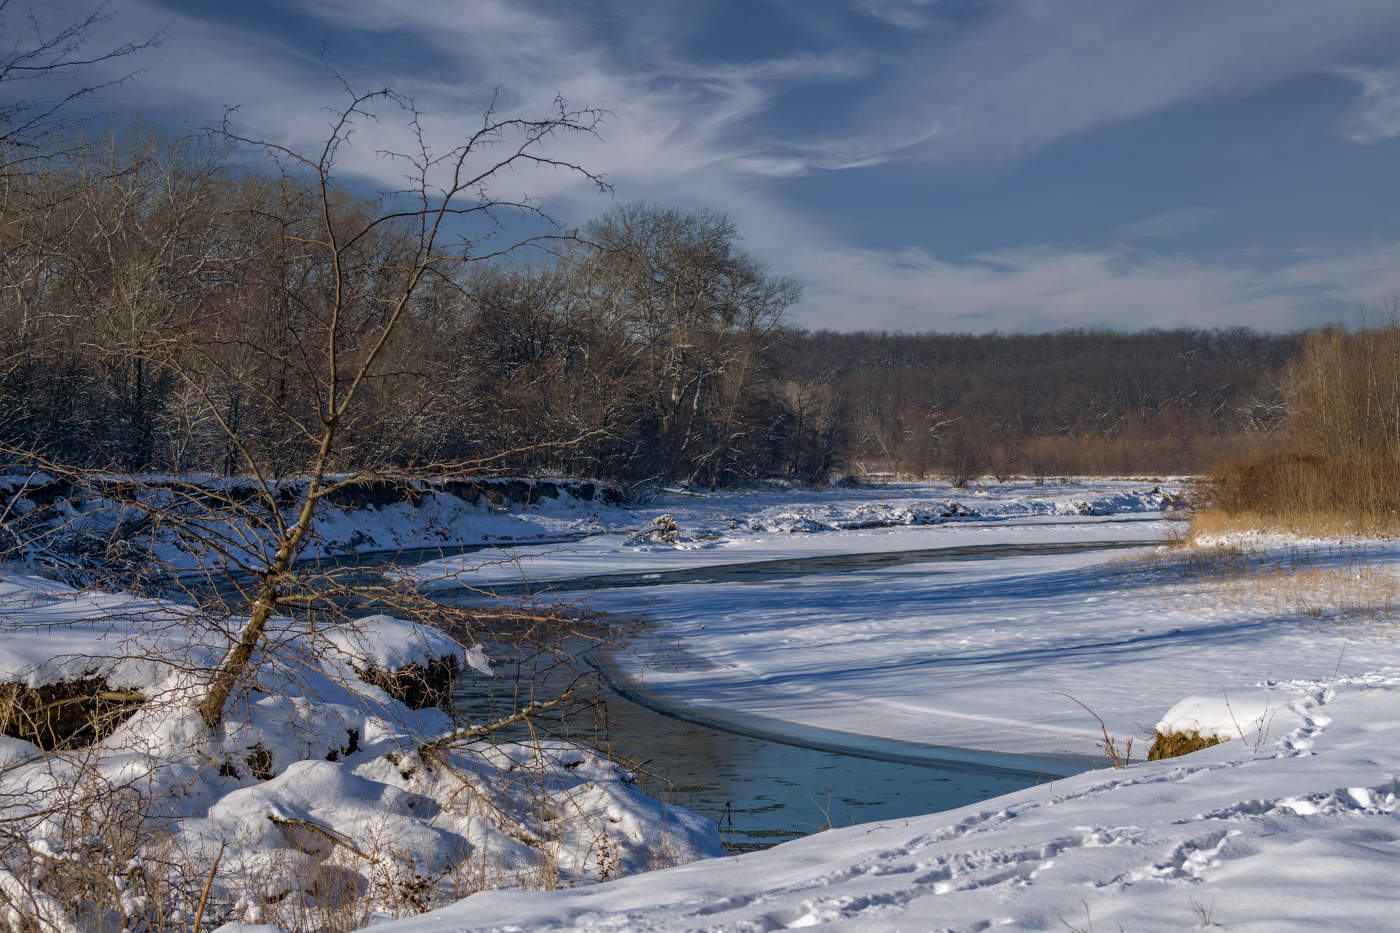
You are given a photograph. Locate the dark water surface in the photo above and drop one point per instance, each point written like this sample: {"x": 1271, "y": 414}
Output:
{"x": 764, "y": 788}
{"x": 767, "y": 571}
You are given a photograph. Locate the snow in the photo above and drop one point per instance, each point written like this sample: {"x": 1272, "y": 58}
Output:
{"x": 1300, "y": 834}
{"x": 1288, "y": 824}
{"x": 79, "y": 521}
{"x": 312, "y": 771}
{"x": 1245, "y": 715}
{"x": 53, "y": 632}
{"x": 720, "y": 529}
{"x": 982, "y": 628}
{"x": 384, "y": 643}
{"x": 987, "y": 653}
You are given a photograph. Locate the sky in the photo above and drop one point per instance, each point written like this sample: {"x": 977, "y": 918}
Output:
{"x": 952, "y": 165}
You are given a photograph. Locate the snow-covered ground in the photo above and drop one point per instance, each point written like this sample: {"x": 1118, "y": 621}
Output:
{"x": 982, "y": 653}
{"x": 1300, "y": 833}
{"x": 59, "y": 525}
{"x": 998, "y": 634}
{"x": 1290, "y": 650}
{"x": 314, "y": 777}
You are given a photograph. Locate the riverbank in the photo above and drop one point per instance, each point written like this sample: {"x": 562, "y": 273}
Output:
{"x": 317, "y": 797}
{"x": 324, "y": 798}
{"x": 683, "y": 530}
{"x": 129, "y": 525}
{"x": 1297, "y": 834}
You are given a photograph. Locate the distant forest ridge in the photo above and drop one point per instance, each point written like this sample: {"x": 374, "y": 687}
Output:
{"x": 165, "y": 311}
{"x": 1073, "y": 401}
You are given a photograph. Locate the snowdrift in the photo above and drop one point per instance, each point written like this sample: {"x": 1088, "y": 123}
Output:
{"x": 318, "y": 792}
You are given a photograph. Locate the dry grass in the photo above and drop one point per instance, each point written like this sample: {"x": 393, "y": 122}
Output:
{"x": 663, "y": 852}
{"x": 1319, "y": 496}
{"x": 1174, "y": 744}
{"x": 1119, "y": 756}
{"x": 124, "y": 870}
{"x": 1360, "y": 591}
{"x": 1206, "y": 523}
{"x": 1340, "y": 582}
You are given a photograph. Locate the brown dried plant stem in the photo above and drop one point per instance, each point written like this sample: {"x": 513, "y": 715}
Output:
{"x": 475, "y": 732}
{"x": 1109, "y": 745}
{"x": 208, "y": 886}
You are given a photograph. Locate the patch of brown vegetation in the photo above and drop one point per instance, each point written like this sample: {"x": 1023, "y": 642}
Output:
{"x": 69, "y": 714}
{"x": 1179, "y": 743}
{"x": 1335, "y": 466}
{"x": 418, "y": 685}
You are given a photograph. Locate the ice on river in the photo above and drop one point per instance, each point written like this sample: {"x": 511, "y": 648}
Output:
{"x": 718, "y": 529}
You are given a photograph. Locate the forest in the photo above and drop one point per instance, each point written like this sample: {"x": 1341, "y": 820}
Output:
{"x": 159, "y": 293}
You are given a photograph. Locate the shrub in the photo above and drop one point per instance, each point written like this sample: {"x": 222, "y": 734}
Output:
{"x": 1335, "y": 466}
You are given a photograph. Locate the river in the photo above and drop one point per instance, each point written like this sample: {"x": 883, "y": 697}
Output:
{"x": 764, "y": 781}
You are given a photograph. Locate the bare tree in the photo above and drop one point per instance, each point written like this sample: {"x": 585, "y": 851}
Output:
{"x": 371, "y": 268}
{"x": 345, "y": 278}
{"x": 698, "y": 315}
{"x": 346, "y": 289}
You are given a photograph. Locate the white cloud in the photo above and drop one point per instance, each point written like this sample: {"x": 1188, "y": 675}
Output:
{"x": 1376, "y": 115}
{"x": 1169, "y": 223}
{"x": 691, "y": 135}
{"x": 1038, "y": 289}
{"x": 672, "y": 120}
{"x": 1047, "y": 287}
{"x": 1019, "y": 77}
{"x": 1040, "y": 71}
{"x": 907, "y": 14}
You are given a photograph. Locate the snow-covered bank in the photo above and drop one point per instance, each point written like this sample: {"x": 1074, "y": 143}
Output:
{"x": 180, "y": 524}
{"x": 116, "y": 521}
{"x": 1299, "y": 833}
{"x": 315, "y": 777}
{"x": 1290, "y": 824}
{"x": 972, "y": 653}
{"x": 746, "y": 526}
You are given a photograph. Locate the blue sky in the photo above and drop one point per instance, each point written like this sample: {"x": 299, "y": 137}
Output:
{"x": 1013, "y": 165}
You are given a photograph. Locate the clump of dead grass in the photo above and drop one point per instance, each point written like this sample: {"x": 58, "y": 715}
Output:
{"x": 1173, "y": 744}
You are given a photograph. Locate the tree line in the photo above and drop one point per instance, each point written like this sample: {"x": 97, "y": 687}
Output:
{"x": 164, "y": 308}
{"x": 1333, "y": 467}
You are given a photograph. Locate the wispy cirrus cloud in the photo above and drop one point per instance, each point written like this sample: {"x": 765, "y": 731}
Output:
{"x": 1170, "y": 223}
{"x": 1007, "y": 84}
{"x": 1038, "y": 72}
{"x": 1376, "y": 115}
{"x": 698, "y": 130}
{"x": 907, "y": 14}
{"x": 1046, "y": 288}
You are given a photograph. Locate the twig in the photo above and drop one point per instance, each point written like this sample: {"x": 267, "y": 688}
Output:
{"x": 208, "y": 883}
{"x": 1108, "y": 744}
{"x": 435, "y": 747}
